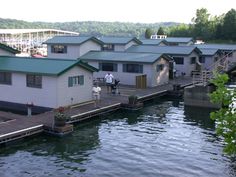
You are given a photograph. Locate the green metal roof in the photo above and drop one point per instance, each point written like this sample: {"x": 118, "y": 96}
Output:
{"x": 43, "y": 66}
{"x": 122, "y": 56}
{"x": 170, "y": 50}
{"x": 119, "y": 40}
{"x": 71, "y": 40}
{"x": 9, "y": 49}
{"x": 216, "y": 46}
{"x": 179, "y": 39}
{"x": 153, "y": 41}
{"x": 209, "y": 52}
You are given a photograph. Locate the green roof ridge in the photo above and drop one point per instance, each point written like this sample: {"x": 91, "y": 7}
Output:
{"x": 8, "y": 48}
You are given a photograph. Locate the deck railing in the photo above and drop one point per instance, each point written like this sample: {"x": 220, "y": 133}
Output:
{"x": 204, "y": 76}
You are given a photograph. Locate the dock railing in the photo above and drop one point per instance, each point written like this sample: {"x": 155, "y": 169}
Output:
{"x": 203, "y": 77}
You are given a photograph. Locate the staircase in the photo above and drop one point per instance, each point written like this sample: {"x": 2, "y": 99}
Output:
{"x": 222, "y": 65}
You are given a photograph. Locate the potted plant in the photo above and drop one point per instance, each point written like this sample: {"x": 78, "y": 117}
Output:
{"x": 60, "y": 117}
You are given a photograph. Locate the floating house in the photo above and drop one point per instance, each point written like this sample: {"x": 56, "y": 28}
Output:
{"x": 118, "y": 43}
{"x": 126, "y": 66}
{"x": 71, "y": 47}
{"x": 157, "y": 42}
{"x": 179, "y": 41}
{"x": 171, "y": 41}
{"x": 209, "y": 57}
{"x": 226, "y": 50}
{"x": 186, "y": 57}
{"x": 46, "y": 83}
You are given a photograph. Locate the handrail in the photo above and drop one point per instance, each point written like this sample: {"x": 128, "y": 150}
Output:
{"x": 213, "y": 66}
{"x": 204, "y": 76}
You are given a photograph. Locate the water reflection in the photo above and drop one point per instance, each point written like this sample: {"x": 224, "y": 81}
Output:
{"x": 201, "y": 116}
{"x": 84, "y": 139}
{"x": 163, "y": 139}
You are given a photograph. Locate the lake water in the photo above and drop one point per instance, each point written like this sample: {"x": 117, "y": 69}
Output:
{"x": 165, "y": 139}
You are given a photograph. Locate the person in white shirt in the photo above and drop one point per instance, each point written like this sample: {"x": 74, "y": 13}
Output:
{"x": 96, "y": 94}
{"x": 109, "y": 79}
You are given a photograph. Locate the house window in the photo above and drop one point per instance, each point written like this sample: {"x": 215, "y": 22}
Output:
{"x": 132, "y": 68}
{"x": 75, "y": 81}
{"x": 179, "y": 60}
{"x": 34, "y": 81}
{"x": 202, "y": 59}
{"x": 159, "y": 67}
{"x": 108, "y": 47}
{"x": 5, "y": 78}
{"x": 108, "y": 67}
{"x": 59, "y": 49}
{"x": 193, "y": 60}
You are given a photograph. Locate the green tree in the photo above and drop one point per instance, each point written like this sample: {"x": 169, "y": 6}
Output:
{"x": 148, "y": 33}
{"x": 229, "y": 25}
{"x": 201, "y": 21}
{"x": 160, "y": 31}
{"x": 219, "y": 27}
{"x": 225, "y": 117}
{"x": 182, "y": 30}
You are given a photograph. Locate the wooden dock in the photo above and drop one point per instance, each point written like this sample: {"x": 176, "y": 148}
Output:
{"x": 20, "y": 126}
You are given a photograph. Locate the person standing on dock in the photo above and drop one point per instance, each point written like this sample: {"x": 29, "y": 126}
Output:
{"x": 109, "y": 79}
{"x": 96, "y": 94}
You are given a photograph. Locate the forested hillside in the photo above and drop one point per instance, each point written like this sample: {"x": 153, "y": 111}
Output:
{"x": 204, "y": 26}
{"x": 89, "y": 27}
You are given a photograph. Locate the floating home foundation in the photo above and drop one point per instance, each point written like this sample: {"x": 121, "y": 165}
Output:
{"x": 20, "y": 126}
{"x": 198, "y": 96}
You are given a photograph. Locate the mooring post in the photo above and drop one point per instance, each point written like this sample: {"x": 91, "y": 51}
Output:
{"x": 29, "y": 109}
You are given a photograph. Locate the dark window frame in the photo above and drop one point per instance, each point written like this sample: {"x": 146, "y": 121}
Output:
{"x": 75, "y": 80}
{"x": 60, "y": 49}
{"x": 179, "y": 60}
{"x": 108, "y": 47}
{"x": 106, "y": 66}
{"x": 132, "y": 68}
{"x": 193, "y": 60}
{"x": 34, "y": 81}
{"x": 202, "y": 59}
{"x": 160, "y": 67}
{"x": 5, "y": 78}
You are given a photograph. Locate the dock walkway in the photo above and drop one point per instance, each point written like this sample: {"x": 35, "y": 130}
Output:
{"x": 19, "y": 126}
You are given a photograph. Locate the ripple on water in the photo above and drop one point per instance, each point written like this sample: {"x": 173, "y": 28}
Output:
{"x": 161, "y": 140}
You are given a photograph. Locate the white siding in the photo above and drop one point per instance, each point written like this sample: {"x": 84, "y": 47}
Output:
{"x": 187, "y": 67}
{"x": 130, "y": 78}
{"x": 89, "y": 46}
{"x": 19, "y": 93}
{"x": 209, "y": 61}
{"x": 123, "y": 47}
{"x": 72, "y": 52}
{"x": 75, "y": 51}
{"x": 125, "y": 78}
{"x": 5, "y": 53}
{"x": 161, "y": 77}
{"x": 80, "y": 93}
{"x": 233, "y": 58}
{"x": 131, "y": 43}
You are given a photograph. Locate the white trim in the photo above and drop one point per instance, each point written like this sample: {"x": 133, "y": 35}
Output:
{"x": 19, "y": 131}
{"x": 98, "y": 109}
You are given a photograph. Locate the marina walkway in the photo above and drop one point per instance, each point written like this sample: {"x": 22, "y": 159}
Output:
{"x": 17, "y": 126}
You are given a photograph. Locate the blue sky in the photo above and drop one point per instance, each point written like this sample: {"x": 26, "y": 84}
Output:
{"x": 143, "y": 11}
